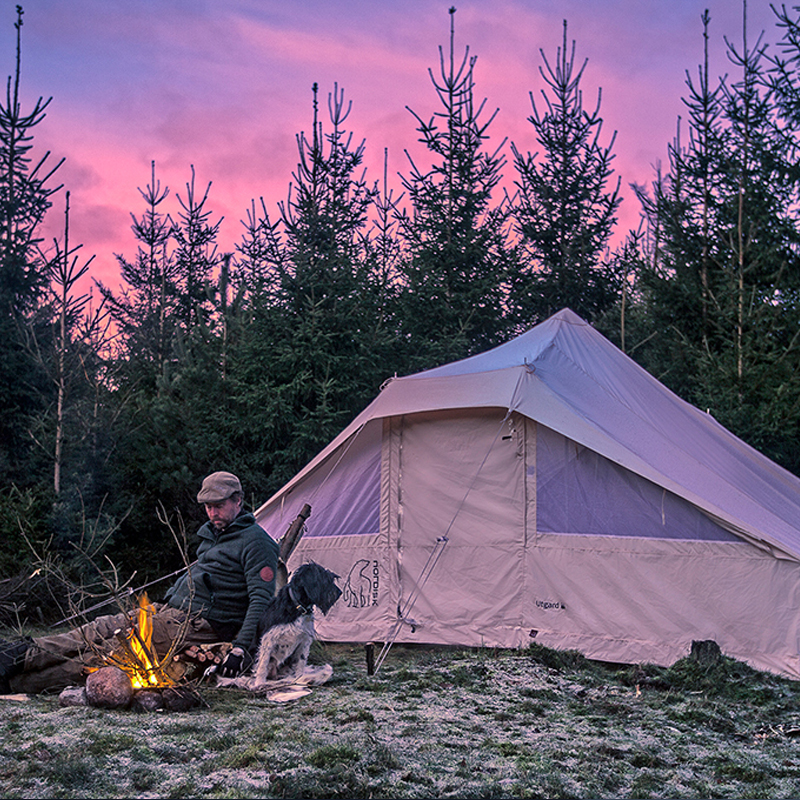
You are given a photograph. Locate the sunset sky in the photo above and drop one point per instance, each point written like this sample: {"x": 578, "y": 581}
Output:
{"x": 225, "y": 85}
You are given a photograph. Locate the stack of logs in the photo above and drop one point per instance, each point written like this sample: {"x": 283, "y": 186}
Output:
{"x": 202, "y": 656}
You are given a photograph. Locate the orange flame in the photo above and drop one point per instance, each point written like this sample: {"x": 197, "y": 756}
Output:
{"x": 136, "y": 657}
{"x": 141, "y": 642}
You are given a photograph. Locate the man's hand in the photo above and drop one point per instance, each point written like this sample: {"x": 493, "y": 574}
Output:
{"x": 234, "y": 664}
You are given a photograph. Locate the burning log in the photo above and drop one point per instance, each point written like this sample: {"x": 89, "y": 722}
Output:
{"x": 135, "y": 655}
{"x": 149, "y": 658}
{"x": 126, "y": 656}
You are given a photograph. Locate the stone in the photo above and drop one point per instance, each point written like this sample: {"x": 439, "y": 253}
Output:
{"x": 148, "y": 700}
{"x": 109, "y": 687}
{"x": 73, "y": 696}
{"x": 177, "y": 698}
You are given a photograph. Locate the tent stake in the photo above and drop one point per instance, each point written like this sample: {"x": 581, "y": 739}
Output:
{"x": 369, "y": 651}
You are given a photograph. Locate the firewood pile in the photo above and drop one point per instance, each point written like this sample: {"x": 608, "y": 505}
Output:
{"x": 199, "y": 657}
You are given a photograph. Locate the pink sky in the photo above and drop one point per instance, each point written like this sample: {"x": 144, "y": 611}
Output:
{"x": 225, "y": 85}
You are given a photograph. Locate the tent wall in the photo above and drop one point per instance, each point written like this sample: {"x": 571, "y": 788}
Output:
{"x": 633, "y": 600}
{"x": 446, "y": 551}
{"x": 473, "y": 460}
{"x": 367, "y": 568}
{"x": 579, "y": 491}
{"x": 343, "y": 491}
{"x": 484, "y": 528}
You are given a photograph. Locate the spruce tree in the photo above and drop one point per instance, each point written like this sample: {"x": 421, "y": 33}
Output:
{"x": 725, "y": 281}
{"x": 313, "y": 352}
{"x": 683, "y": 216}
{"x": 383, "y": 258}
{"x": 195, "y": 255}
{"x": 457, "y": 257}
{"x": 25, "y": 198}
{"x": 145, "y": 312}
{"x": 169, "y": 396}
{"x": 67, "y": 335}
{"x": 69, "y": 359}
{"x": 564, "y": 210}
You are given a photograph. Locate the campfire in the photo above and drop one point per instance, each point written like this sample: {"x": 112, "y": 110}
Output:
{"x": 135, "y": 655}
{"x": 133, "y": 675}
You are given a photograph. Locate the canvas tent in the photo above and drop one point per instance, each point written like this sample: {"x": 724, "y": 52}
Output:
{"x": 551, "y": 490}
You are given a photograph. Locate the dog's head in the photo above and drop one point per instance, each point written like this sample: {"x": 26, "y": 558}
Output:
{"x": 316, "y": 586}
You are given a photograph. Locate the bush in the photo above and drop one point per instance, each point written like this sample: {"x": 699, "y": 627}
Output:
{"x": 24, "y": 526}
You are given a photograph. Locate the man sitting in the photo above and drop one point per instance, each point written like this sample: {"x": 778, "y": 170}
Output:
{"x": 220, "y": 599}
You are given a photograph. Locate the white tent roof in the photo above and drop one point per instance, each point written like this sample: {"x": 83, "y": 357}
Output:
{"x": 567, "y": 376}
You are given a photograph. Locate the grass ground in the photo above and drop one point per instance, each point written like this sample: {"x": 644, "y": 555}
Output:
{"x": 432, "y": 723}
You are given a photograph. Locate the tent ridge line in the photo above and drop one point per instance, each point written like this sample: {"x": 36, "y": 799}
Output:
{"x": 423, "y": 376}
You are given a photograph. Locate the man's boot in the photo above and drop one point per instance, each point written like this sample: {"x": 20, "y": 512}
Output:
{"x": 12, "y": 660}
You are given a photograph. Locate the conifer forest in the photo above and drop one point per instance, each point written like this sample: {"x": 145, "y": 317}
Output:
{"x": 252, "y": 360}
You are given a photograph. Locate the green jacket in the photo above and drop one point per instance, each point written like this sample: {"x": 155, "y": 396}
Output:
{"x": 233, "y": 580}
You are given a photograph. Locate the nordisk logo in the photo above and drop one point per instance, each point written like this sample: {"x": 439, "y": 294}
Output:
{"x": 362, "y": 585}
{"x": 547, "y": 605}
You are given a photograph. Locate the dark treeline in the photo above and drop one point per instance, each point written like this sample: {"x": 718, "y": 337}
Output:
{"x": 252, "y": 360}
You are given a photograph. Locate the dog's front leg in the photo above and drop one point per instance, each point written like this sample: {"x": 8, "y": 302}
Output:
{"x": 261, "y": 670}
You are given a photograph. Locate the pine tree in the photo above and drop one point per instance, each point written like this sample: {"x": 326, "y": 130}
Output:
{"x": 725, "y": 281}
{"x": 313, "y": 355}
{"x": 457, "y": 258}
{"x": 564, "y": 210}
{"x": 145, "y": 312}
{"x": 25, "y": 198}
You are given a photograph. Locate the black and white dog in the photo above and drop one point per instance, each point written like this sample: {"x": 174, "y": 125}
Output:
{"x": 286, "y": 628}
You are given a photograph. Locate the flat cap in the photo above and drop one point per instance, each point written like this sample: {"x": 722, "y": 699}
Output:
{"x": 217, "y": 487}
